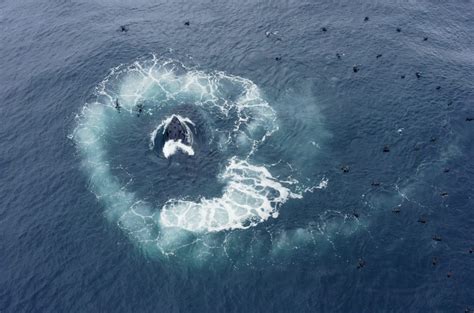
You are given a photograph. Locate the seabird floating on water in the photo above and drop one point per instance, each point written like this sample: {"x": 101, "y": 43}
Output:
{"x": 360, "y": 263}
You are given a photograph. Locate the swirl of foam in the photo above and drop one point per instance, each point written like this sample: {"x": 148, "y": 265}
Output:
{"x": 251, "y": 194}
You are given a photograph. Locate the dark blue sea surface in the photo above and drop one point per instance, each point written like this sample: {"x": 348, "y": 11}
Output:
{"x": 331, "y": 167}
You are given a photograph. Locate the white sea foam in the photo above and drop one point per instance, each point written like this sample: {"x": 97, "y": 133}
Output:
{"x": 251, "y": 194}
{"x": 172, "y": 146}
{"x": 323, "y": 184}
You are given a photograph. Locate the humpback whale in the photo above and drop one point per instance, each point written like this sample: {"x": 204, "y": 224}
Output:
{"x": 176, "y": 131}
{"x": 174, "y": 134}
{"x": 177, "y": 135}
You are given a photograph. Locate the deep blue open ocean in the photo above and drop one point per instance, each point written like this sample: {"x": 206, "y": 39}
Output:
{"x": 327, "y": 164}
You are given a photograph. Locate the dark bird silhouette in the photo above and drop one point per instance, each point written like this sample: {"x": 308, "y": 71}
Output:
{"x": 117, "y": 105}
{"x": 140, "y": 109}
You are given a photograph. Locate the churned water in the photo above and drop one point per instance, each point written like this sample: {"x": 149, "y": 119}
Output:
{"x": 326, "y": 164}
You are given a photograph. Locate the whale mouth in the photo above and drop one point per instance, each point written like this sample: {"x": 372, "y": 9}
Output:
{"x": 176, "y": 135}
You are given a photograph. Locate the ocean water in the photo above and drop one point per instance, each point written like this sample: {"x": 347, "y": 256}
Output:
{"x": 328, "y": 169}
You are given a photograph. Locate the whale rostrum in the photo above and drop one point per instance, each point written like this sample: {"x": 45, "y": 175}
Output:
{"x": 175, "y": 130}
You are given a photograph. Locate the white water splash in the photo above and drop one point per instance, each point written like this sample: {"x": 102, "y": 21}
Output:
{"x": 252, "y": 195}
{"x": 172, "y": 146}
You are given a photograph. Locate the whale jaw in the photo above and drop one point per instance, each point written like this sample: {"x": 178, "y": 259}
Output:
{"x": 176, "y": 131}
